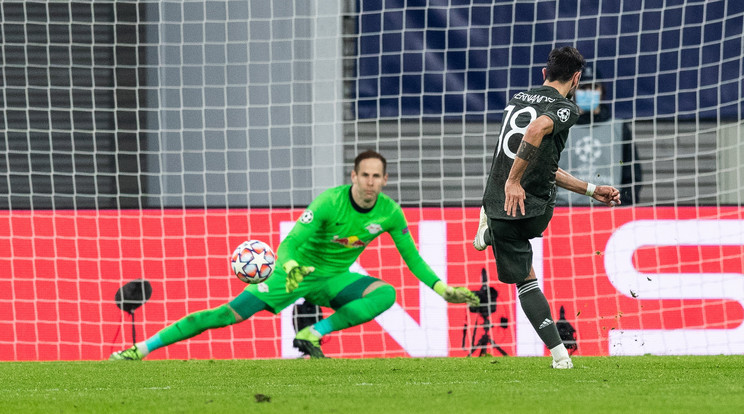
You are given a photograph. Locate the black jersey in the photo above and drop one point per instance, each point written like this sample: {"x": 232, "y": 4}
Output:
{"x": 538, "y": 180}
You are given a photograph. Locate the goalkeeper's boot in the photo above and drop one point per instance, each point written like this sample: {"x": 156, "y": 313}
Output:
{"x": 308, "y": 343}
{"x": 129, "y": 354}
{"x": 563, "y": 364}
{"x": 480, "y": 236}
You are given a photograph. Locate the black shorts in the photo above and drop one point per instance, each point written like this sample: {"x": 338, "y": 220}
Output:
{"x": 510, "y": 240}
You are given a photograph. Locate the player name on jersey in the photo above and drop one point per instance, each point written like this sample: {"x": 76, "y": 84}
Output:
{"x": 523, "y": 96}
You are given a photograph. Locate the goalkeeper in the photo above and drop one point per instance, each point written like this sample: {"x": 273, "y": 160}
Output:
{"x": 313, "y": 262}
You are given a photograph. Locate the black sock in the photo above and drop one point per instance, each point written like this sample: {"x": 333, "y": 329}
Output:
{"x": 536, "y": 308}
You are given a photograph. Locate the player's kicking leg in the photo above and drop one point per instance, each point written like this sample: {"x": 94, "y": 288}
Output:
{"x": 479, "y": 242}
{"x": 537, "y": 310}
{"x": 513, "y": 254}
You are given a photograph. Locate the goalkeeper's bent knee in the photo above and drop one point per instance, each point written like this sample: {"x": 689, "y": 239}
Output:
{"x": 360, "y": 310}
{"x": 383, "y": 296}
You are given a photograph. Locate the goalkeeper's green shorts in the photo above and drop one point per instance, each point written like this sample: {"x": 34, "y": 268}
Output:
{"x": 510, "y": 240}
{"x": 331, "y": 291}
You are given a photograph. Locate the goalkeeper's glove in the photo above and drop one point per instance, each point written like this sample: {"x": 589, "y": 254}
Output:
{"x": 456, "y": 294}
{"x": 295, "y": 274}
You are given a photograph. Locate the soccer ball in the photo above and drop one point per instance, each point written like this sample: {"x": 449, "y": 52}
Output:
{"x": 253, "y": 261}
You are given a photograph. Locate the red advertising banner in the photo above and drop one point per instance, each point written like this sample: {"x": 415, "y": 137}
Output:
{"x": 629, "y": 281}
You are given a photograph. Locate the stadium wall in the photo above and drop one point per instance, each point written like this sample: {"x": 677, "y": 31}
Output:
{"x": 630, "y": 280}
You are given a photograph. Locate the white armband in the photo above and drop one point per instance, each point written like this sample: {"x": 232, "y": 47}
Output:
{"x": 590, "y": 189}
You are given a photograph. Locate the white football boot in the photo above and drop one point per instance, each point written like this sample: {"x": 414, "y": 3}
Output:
{"x": 561, "y": 360}
{"x": 563, "y": 364}
{"x": 479, "y": 242}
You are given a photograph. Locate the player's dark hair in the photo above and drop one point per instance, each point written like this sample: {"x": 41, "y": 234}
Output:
{"x": 367, "y": 155}
{"x": 563, "y": 63}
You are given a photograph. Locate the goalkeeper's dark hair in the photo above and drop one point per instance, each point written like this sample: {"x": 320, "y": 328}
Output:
{"x": 367, "y": 155}
{"x": 563, "y": 63}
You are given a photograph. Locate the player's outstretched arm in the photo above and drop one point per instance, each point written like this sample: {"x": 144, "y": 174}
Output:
{"x": 605, "y": 194}
{"x": 418, "y": 266}
{"x": 456, "y": 294}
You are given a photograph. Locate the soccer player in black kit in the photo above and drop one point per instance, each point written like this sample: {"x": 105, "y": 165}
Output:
{"x": 520, "y": 193}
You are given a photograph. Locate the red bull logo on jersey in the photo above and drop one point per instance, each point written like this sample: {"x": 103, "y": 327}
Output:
{"x": 351, "y": 242}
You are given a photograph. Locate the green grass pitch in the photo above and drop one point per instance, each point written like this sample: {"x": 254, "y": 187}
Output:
{"x": 646, "y": 384}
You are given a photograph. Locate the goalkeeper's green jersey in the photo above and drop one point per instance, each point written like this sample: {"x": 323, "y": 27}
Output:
{"x": 333, "y": 231}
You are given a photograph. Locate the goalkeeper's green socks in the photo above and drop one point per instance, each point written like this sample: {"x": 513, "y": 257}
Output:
{"x": 194, "y": 324}
{"x": 537, "y": 310}
{"x": 145, "y": 347}
{"x": 358, "y": 311}
{"x": 245, "y": 304}
{"x": 187, "y": 327}
{"x": 322, "y": 327}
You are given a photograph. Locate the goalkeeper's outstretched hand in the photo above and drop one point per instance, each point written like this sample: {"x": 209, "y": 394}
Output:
{"x": 295, "y": 274}
{"x": 456, "y": 294}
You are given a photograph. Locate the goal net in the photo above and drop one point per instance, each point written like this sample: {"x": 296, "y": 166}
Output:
{"x": 147, "y": 139}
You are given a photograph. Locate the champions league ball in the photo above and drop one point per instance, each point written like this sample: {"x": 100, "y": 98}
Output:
{"x": 253, "y": 261}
